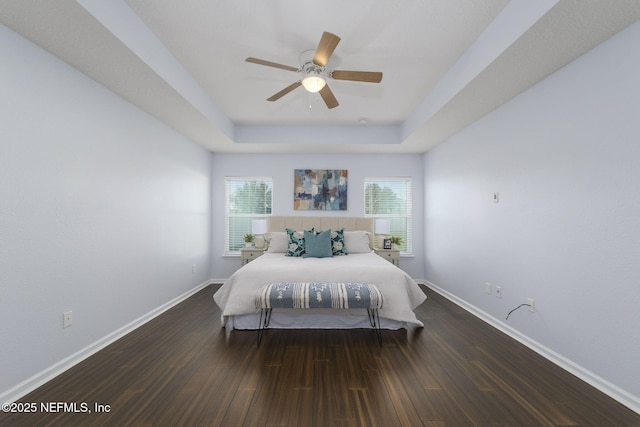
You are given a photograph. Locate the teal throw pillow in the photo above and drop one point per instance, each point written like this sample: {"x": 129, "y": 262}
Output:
{"x": 337, "y": 242}
{"x": 317, "y": 245}
{"x": 296, "y": 242}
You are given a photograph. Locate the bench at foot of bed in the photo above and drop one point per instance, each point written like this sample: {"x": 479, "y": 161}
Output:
{"x": 308, "y": 295}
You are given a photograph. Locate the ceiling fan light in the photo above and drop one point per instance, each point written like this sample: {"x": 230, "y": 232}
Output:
{"x": 313, "y": 83}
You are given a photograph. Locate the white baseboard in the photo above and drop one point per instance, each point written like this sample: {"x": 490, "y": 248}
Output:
{"x": 27, "y": 386}
{"x": 625, "y": 398}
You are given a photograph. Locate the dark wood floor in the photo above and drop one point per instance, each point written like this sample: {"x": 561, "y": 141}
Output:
{"x": 182, "y": 369}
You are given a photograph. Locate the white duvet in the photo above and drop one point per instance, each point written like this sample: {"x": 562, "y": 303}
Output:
{"x": 401, "y": 293}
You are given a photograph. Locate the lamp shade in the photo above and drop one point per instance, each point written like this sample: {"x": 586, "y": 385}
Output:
{"x": 383, "y": 226}
{"x": 259, "y": 226}
{"x": 313, "y": 83}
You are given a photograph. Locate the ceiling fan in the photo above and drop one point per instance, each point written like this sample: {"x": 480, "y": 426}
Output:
{"x": 315, "y": 74}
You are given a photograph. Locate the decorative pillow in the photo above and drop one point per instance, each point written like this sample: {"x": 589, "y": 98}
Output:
{"x": 277, "y": 241}
{"x": 296, "y": 242}
{"x": 317, "y": 245}
{"x": 357, "y": 242}
{"x": 337, "y": 242}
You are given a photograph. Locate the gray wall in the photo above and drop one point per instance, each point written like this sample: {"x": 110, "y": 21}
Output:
{"x": 280, "y": 167}
{"x": 103, "y": 211}
{"x": 564, "y": 157}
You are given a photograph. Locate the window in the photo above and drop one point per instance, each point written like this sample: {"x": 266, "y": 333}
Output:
{"x": 390, "y": 198}
{"x": 246, "y": 198}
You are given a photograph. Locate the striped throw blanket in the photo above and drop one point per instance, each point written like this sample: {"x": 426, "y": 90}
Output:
{"x": 319, "y": 295}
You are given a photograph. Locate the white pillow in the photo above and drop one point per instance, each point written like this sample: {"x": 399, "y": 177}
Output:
{"x": 278, "y": 241}
{"x": 357, "y": 242}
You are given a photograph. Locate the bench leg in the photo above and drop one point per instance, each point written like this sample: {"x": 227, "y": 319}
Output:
{"x": 265, "y": 317}
{"x": 374, "y": 319}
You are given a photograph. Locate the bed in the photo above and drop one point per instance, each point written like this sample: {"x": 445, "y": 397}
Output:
{"x": 236, "y": 297}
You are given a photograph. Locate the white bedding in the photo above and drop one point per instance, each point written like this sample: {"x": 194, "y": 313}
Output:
{"x": 402, "y": 295}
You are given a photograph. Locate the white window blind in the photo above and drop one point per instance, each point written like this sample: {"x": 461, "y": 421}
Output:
{"x": 246, "y": 198}
{"x": 390, "y": 198}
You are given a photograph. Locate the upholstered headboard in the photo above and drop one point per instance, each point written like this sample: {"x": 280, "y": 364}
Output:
{"x": 279, "y": 223}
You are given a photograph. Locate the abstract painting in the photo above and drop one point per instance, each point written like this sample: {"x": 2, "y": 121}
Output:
{"x": 320, "y": 189}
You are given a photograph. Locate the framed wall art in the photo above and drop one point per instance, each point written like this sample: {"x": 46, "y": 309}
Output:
{"x": 320, "y": 189}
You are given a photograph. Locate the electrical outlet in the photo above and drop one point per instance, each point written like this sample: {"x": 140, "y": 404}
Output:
{"x": 193, "y": 269}
{"x": 67, "y": 319}
{"x": 487, "y": 288}
{"x": 532, "y": 305}
{"x": 498, "y": 292}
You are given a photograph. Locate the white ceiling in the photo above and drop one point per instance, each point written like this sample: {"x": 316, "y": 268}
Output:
{"x": 446, "y": 63}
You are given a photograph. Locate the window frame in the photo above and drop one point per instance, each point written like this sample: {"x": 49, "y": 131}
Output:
{"x": 229, "y": 182}
{"x": 407, "y": 247}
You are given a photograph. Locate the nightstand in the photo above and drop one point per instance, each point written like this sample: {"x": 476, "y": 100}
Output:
{"x": 249, "y": 254}
{"x": 391, "y": 255}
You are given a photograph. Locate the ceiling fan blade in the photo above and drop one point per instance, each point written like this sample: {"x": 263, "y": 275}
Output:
{"x": 284, "y": 91}
{"x": 357, "y": 76}
{"x": 325, "y": 48}
{"x": 270, "y": 64}
{"x": 328, "y": 97}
